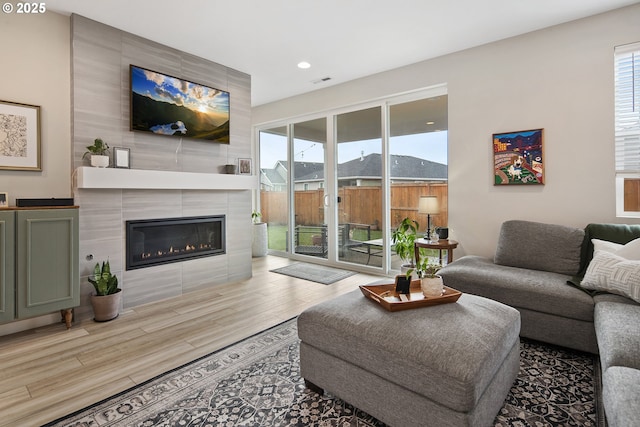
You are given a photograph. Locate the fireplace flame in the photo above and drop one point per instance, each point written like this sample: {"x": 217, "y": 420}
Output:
{"x": 176, "y": 251}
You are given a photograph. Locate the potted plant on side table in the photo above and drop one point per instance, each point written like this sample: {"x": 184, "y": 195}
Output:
{"x": 99, "y": 152}
{"x": 403, "y": 239}
{"x": 260, "y": 238}
{"x": 106, "y": 299}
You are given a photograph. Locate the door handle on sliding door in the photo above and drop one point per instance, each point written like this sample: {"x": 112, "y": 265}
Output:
{"x": 327, "y": 198}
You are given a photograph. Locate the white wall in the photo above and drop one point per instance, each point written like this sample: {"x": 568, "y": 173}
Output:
{"x": 35, "y": 70}
{"x": 559, "y": 79}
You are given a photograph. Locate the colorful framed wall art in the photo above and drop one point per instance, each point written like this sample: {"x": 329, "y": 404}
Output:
{"x": 518, "y": 157}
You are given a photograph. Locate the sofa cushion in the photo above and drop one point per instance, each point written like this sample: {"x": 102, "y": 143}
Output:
{"x": 618, "y": 331}
{"x": 607, "y": 297}
{"x": 609, "y": 272}
{"x": 620, "y": 391}
{"x": 618, "y": 233}
{"x": 539, "y": 246}
{"x": 540, "y": 291}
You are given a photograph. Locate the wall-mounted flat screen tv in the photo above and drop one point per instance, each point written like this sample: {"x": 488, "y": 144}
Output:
{"x": 167, "y": 105}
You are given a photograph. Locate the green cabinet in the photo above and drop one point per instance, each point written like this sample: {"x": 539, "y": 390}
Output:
{"x": 7, "y": 266}
{"x": 46, "y": 272}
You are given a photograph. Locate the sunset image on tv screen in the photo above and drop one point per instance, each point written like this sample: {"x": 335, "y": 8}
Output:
{"x": 166, "y": 105}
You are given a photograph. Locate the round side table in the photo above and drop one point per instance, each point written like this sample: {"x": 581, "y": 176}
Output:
{"x": 440, "y": 245}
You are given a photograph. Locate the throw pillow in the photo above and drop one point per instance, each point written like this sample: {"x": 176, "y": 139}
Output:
{"x": 612, "y": 273}
{"x": 604, "y": 245}
{"x": 629, "y": 251}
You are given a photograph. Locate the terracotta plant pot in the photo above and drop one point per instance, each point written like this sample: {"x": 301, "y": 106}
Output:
{"x": 106, "y": 307}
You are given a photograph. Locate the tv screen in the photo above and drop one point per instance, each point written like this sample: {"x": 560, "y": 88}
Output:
{"x": 167, "y": 105}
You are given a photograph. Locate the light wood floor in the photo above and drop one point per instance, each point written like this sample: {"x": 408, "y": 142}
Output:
{"x": 49, "y": 372}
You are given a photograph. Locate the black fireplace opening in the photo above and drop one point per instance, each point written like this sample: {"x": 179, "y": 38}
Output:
{"x": 161, "y": 241}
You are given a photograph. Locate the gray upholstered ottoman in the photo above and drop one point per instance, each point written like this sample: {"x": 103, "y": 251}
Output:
{"x": 446, "y": 365}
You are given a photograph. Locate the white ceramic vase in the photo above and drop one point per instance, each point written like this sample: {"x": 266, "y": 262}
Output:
{"x": 98, "y": 161}
{"x": 260, "y": 242}
{"x": 432, "y": 286}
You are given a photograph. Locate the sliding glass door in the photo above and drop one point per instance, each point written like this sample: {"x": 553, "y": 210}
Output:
{"x": 335, "y": 185}
{"x": 359, "y": 174}
{"x": 418, "y": 162}
{"x": 310, "y": 230}
{"x": 274, "y": 185}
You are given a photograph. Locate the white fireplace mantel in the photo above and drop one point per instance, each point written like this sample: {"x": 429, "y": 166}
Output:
{"x": 112, "y": 178}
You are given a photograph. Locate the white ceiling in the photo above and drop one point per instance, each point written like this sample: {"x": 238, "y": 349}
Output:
{"x": 342, "y": 39}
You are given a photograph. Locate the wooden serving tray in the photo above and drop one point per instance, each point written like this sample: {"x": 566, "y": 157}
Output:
{"x": 387, "y": 297}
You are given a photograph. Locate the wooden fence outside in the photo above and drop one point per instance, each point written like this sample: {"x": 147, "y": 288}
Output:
{"x": 362, "y": 205}
{"x": 631, "y": 195}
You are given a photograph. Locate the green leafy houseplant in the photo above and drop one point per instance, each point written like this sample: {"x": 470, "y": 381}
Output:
{"x": 103, "y": 281}
{"x": 260, "y": 242}
{"x": 99, "y": 148}
{"x": 425, "y": 268}
{"x": 403, "y": 239}
{"x": 255, "y": 217}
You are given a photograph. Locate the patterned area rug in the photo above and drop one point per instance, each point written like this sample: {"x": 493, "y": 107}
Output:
{"x": 256, "y": 382}
{"x": 314, "y": 272}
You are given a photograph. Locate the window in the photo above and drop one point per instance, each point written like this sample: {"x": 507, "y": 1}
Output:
{"x": 627, "y": 129}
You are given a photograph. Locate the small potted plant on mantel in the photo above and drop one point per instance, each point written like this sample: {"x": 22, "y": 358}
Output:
{"x": 106, "y": 299}
{"x": 99, "y": 152}
{"x": 260, "y": 238}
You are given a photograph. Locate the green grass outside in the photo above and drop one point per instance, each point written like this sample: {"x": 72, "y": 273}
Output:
{"x": 278, "y": 236}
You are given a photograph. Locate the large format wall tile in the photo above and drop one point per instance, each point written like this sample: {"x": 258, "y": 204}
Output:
{"x": 101, "y": 107}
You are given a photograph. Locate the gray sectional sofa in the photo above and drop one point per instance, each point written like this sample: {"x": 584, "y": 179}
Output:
{"x": 537, "y": 269}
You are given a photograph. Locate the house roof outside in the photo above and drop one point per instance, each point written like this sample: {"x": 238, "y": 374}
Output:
{"x": 271, "y": 178}
{"x": 406, "y": 168}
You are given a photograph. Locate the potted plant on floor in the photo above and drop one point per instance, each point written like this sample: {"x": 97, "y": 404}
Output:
{"x": 260, "y": 237}
{"x": 403, "y": 239}
{"x": 106, "y": 299}
{"x": 99, "y": 153}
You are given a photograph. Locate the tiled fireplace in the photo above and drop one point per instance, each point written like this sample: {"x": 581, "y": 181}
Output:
{"x": 164, "y": 240}
{"x": 105, "y": 214}
{"x": 169, "y": 177}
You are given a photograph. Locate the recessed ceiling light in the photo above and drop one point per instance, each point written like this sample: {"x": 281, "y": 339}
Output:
{"x": 431, "y": 123}
{"x": 304, "y": 65}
